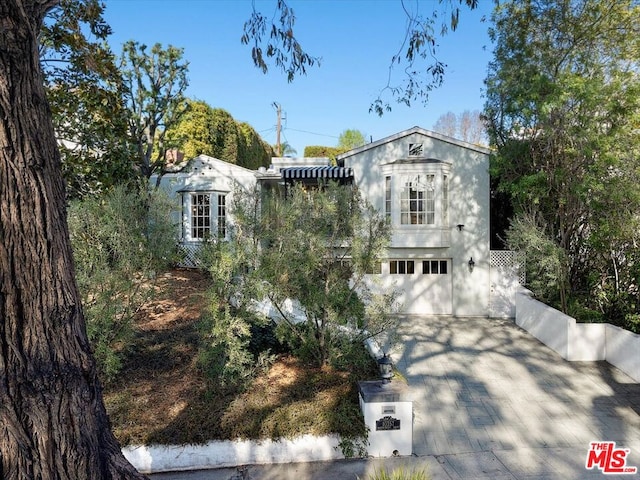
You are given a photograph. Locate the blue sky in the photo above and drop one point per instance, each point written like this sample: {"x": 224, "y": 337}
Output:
{"x": 355, "y": 39}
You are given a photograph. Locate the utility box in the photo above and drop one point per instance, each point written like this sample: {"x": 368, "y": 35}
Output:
{"x": 388, "y": 414}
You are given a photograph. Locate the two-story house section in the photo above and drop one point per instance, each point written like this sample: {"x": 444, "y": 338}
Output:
{"x": 435, "y": 192}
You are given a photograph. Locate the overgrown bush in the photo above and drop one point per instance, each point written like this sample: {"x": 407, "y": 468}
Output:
{"x": 224, "y": 354}
{"x": 235, "y": 343}
{"x": 120, "y": 241}
{"x": 582, "y": 313}
{"x": 632, "y": 322}
{"x": 545, "y": 260}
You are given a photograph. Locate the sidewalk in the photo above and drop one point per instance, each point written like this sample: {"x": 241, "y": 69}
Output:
{"x": 490, "y": 402}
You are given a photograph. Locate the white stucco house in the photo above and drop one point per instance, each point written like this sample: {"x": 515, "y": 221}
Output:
{"x": 203, "y": 188}
{"x": 435, "y": 191}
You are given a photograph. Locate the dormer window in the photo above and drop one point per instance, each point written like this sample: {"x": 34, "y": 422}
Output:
{"x": 415, "y": 149}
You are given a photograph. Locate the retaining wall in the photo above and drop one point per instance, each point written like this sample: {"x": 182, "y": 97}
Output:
{"x": 579, "y": 341}
{"x": 220, "y": 454}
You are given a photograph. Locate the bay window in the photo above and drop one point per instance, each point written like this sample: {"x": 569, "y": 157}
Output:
{"x": 205, "y": 215}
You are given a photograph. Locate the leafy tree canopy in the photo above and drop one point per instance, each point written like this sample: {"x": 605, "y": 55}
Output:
{"x": 214, "y": 132}
{"x": 82, "y": 85}
{"x": 563, "y": 109}
{"x": 351, "y": 138}
{"x": 154, "y": 82}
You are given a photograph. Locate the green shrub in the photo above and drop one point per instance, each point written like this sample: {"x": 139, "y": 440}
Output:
{"x": 224, "y": 353}
{"x": 632, "y": 322}
{"x": 583, "y": 313}
{"x": 120, "y": 241}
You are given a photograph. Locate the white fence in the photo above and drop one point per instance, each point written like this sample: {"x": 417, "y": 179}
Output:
{"x": 579, "y": 341}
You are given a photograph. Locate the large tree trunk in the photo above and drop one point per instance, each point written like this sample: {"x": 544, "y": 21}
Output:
{"x": 53, "y": 423}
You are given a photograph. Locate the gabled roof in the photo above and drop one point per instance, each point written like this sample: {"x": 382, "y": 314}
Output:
{"x": 411, "y": 131}
{"x": 190, "y": 165}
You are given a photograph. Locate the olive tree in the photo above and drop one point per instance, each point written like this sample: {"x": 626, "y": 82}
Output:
{"x": 317, "y": 247}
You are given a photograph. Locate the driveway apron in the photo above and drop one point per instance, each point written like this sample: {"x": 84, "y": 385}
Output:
{"x": 488, "y": 394}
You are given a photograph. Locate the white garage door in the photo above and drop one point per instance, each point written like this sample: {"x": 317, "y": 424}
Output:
{"x": 425, "y": 285}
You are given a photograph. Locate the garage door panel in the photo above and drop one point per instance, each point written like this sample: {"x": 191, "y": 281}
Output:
{"x": 425, "y": 293}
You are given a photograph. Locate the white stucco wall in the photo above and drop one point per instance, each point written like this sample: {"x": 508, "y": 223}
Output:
{"x": 468, "y": 172}
{"x": 206, "y": 174}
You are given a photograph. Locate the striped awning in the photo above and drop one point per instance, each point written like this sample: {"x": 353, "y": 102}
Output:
{"x": 337, "y": 173}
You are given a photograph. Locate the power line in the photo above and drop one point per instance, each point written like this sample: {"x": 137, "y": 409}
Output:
{"x": 313, "y": 133}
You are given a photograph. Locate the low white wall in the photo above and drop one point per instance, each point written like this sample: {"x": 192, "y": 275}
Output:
{"x": 579, "y": 341}
{"x": 220, "y": 454}
{"x": 587, "y": 342}
{"x": 548, "y": 325}
{"x": 623, "y": 350}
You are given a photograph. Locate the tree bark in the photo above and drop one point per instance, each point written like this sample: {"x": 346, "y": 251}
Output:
{"x": 53, "y": 423}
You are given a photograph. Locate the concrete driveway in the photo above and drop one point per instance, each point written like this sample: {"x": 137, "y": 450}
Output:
{"x": 491, "y": 402}
{"x": 487, "y": 395}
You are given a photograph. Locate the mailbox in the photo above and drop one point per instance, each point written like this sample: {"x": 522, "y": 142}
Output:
{"x": 388, "y": 415}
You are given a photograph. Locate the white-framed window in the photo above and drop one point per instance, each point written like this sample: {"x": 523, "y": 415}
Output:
{"x": 416, "y": 193}
{"x": 418, "y": 200}
{"x": 222, "y": 216}
{"x": 200, "y": 216}
{"x": 387, "y": 197}
{"x": 205, "y": 215}
{"x": 435, "y": 267}
{"x": 402, "y": 267}
{"x": 415, "y": 149}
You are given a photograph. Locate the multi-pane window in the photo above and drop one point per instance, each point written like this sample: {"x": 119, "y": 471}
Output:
{"x": 200, "y": 215}
{"x": 208, "y": 219}
{"x": 418, "y": 200}
{"x": 434, "y": 267}
{"x": 445, "y": 200}
{"x": 387, "y": 197}
{"x": 401, "y": 267}
{"x": 430, "y": 208}
{"x": 222, "y": 216}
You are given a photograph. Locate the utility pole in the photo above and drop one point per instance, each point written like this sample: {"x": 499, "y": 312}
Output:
{"x": 278, "y": 128}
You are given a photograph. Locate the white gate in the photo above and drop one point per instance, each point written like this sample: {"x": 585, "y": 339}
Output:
{"x": 506, "y": 273}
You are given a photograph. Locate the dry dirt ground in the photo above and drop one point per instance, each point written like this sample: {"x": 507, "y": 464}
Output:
{"x": 162, "y": 396}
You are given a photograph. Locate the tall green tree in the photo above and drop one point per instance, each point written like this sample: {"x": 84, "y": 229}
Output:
{"x": 154, "y": 82}
{"x": 82, "y": 85}
{"x": 316, "y": 247}
{"x": 214, "y": 132}
{"x": 53, "y": 421}
{"x": 351, "y": 138}
{"x": 563, "y": 104}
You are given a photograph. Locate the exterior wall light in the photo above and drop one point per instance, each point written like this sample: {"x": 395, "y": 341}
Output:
{"x": 460, "y": 227}
{"x": 386, "y": 368}
{"x": 471, "y": 264}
